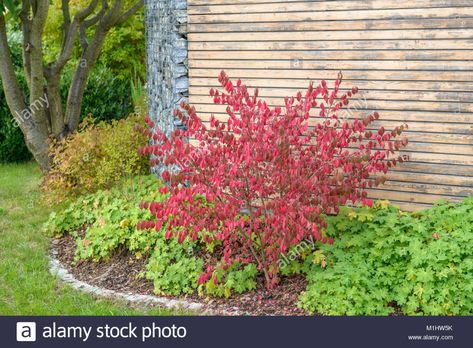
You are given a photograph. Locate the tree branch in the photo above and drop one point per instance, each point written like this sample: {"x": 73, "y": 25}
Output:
{"x": 111, "y": 17}
{"x": 131, "y": 11}
{"x": 86, "y": 12}
{"x": 92, "y": 21}
{"x": 35, "y": 48}
{"x": 66, "y": 26}
{"x": 26, "y": 30}
{"x": 88, "y": 58}
{"x": 70, "y": 34}
{"x": 11, "y": 86}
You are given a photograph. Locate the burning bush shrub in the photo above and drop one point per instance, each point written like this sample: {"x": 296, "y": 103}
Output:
{"x": 262, "y": 180}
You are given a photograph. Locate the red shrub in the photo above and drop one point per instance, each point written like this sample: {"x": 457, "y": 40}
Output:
{"x": 262, "y": 180}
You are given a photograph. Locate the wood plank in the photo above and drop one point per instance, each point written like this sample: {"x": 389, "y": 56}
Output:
{"x": 410, "y": 207}
{"x": 463, "y": 182}
{"x": 362, "y": 94}
{"x": 298, "y": 56}
{"x": 342, "y": 45}
{"x": 441, "y": 138}
{"x": 420, "y": 127}
{"x": 444, "y": 65}
{"x": 414, "y": 125}
{"x": 466, "y": 76}
{"x": 452, "y": 106}
{"x": 358, "y": 109}
{"x": 409, "y": 197}
{"x": 335, "y": 35}
{"x": 411, "y": 59}
{"x": 371, "y": 3}
{"x": 428, "y": 188}
{"x": 278, "y": 82}
{"x": 226, "y": 2}
{"x": 434, "y": 168}
{"x": 374, "y": 24}
{"x": 297, "y": 6}
{"x": 447, "y": 169}
{"x": 332, "y": 15}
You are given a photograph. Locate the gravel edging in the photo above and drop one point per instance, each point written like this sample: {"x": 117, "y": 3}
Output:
{"x": 57, "y": 270}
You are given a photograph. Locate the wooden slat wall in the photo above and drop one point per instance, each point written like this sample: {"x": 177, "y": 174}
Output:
{"x": 411, "y": 59}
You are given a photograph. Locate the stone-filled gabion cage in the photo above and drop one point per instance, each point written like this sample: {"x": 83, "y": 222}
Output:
{"x": 166, "y": 41}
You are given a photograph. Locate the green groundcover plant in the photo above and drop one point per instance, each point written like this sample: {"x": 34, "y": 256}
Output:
{"x": 420, "y": 263}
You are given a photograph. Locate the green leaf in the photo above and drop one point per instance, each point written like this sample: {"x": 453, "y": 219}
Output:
{"x": 10, "y": 5}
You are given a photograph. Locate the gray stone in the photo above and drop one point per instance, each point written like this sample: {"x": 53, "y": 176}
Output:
{"x": 168, "y": 83}
{"x": 63, "y": 274}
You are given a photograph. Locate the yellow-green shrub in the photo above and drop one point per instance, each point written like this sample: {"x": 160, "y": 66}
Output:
{"x": 95, "y": 157}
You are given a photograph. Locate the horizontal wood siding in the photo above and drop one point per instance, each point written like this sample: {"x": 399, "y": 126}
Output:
{"x": 411, "y": 59}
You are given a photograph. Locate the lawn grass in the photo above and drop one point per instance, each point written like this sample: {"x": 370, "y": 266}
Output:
{"x": 26, "y": 286}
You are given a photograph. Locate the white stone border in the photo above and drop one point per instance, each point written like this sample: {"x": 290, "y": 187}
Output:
{"x": 56, "y": 269}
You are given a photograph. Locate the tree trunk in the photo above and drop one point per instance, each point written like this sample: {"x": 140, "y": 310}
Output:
{"x": 35, "y": 138}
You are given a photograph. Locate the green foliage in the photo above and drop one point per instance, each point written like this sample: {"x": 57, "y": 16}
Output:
{"x": 115, "y": 208}
{"x": 139, "y": 96}
{"x": 123, "y": 50}
{"x": 172, "y": 267}
{"x": 12, "y": 143}
{"x": 106, "y": 97}
{"x": 235, "y": 278}
{"x": 110, "y": 218}
{"x": 7, "y": 5}
{"x": 421, "y": 262}
{"x": 96, "y": 157}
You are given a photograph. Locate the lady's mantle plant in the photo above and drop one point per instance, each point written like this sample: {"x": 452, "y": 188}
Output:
{"x": 262, "y": 180}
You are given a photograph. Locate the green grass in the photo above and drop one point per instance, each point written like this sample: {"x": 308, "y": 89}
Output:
{"x": 26, "y": 286}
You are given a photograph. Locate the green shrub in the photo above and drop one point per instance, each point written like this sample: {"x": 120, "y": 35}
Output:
{"x": 95, "y": 157}
{"x": 106, "y": 97}
{"x": 420, "y": 262}
{"x": 12, "y": 143}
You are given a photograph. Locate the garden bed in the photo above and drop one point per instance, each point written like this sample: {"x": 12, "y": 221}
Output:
{"x": 122, "y": 273}
{"x": 383, "y": 262}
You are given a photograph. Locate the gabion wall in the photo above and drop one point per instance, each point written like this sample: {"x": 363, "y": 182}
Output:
{"x": 166, "y": 40}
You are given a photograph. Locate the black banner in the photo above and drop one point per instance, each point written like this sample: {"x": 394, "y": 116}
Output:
{"x": 236, "y": 332}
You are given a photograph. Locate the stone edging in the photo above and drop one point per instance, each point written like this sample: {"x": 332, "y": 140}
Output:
{"x": 65, "y": 276}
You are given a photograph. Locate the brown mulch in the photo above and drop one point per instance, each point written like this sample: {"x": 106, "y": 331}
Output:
{"x": 122, "y": 273}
